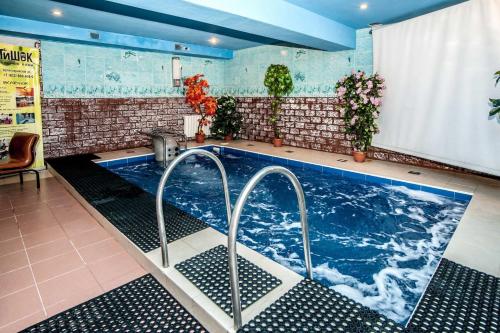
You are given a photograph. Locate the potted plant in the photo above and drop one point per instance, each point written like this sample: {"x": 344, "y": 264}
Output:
{"x": 495, "y": 103}
{"x": 204, "y": 105}
{"x": 278, "y": 82}
{"x": 227, "y": 121}
{"x": 358, "y": 98}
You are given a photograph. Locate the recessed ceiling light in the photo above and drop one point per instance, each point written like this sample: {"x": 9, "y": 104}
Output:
{"x": 213, "y": 40}
{"x": 56, "y": 12}
{"x": 363, "y": 6}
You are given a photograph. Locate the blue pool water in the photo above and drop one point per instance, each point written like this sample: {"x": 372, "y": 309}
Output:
{"x": 378, "y": 244}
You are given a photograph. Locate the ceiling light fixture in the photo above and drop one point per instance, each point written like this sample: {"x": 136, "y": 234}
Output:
{"x": 56, "y": 12}
{"x": 213, "y": 40}
{"x": 363, "y": 6}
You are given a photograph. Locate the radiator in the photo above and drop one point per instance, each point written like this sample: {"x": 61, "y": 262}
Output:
{"x": 191, "y": 125}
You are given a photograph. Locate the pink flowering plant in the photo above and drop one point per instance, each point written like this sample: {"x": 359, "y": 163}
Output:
{"x": 358, "y": 99}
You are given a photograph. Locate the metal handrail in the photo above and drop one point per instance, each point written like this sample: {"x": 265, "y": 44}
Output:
{"x": 161, "y": 186}
{"x": 233, "y": 231}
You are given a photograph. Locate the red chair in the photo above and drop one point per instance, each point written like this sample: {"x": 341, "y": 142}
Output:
{"x": 21, "y": 155}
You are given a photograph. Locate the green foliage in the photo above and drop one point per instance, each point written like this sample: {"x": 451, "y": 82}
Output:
{"x": 227, "y": 120}
{"x": 358, "y": 98}
{"x": 279, "y": 83}
{"x": 495, "y": 103}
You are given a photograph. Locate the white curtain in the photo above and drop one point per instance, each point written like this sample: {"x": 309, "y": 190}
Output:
{"x": 439, "y": 76}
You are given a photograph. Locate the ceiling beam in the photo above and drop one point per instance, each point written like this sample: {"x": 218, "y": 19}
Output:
{"x": 43, "y": 30}
{"x": 274, "y": 20}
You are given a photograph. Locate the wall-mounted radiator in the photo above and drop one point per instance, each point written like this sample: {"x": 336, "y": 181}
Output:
{"x": 191, "y": 125}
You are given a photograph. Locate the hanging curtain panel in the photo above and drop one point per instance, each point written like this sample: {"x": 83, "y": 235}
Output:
{"x": 439, "y": 76}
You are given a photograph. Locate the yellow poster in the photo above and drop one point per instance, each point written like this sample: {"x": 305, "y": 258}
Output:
{"x": 20, "y": 103}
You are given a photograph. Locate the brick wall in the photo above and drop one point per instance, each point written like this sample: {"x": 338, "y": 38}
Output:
{"x": 72, "y": 125}
{"x": 313, "y": 123}
{"x": 88, "y": 125}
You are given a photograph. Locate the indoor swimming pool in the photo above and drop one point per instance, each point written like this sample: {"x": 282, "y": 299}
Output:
{"x": 377, "y": 242}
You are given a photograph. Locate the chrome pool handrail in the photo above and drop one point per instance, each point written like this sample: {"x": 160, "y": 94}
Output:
{"x": 161, "y": 186}
{"x": 233, "y": 231}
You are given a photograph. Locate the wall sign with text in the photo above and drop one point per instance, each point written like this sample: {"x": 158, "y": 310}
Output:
{"x": 20, "y": 102}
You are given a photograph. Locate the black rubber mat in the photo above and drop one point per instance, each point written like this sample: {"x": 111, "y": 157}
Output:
{"x": 142, "y": 305}
{"x": 311, "y": 307}
{"x": 209, "y": 272}
{"x": 129, "y": 208}
{"x": 458, "y": 299}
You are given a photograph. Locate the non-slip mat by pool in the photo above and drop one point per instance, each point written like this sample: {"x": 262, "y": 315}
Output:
{"x": 209, "y": 272}
{"x": 142, "y": 305}
{"x": 130, "y": 209}
{"x": 311, "y": 307}
{"x": 458, "y": 299}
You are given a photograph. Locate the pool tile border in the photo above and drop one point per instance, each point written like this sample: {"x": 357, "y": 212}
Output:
{"x": 340, "y": 172}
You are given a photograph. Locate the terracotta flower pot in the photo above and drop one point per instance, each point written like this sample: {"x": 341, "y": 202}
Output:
{"x": 359, "y": 156}
{"x": 278, "y": 142}
{"x": 200, "y": 137}
{"x": 229, "y": 137}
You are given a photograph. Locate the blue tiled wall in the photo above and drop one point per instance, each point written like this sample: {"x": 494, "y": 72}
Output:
{"x": 79, "y": 71}
{"x": 314, "y": 72}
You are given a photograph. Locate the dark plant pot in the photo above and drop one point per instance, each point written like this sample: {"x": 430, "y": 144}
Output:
{"x": 278, "y": 142}
{"x": 200, "y": 137}
{"x": 228, "y": 137}
{"x": 359, "y": 156}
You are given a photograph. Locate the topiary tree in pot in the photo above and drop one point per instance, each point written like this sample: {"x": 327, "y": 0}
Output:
{"x": 279, "y": 83}
{"x": 227, "y": 121}
{"x": 358, "y": 98}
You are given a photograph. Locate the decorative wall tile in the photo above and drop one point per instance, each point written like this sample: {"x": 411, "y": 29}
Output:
{"x": 79, "y": 71}
{"x": 85, "y": 71}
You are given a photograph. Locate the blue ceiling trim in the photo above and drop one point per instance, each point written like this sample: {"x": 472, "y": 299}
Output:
{"x": 43, "y": 30}
{"x": 136, "y": 12}
{"x": 196, "y": 16}
{"x": 277, "y": 19}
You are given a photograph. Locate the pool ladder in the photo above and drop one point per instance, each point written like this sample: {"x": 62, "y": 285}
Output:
{"x": 159, "y": 195}
{"x": 234, "y": 219}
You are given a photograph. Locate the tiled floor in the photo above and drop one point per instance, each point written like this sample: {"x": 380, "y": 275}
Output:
{"x": 53, "y": 254}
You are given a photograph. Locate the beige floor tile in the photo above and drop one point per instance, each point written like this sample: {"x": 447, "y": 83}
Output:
{"x": 112, "y": 268}
{"x": 19, "y": 305}
{"x": 23, "y": 323}
{"x": 6, "y": 213}
{"x": 9, "y": 229}
{"x": 90, "y": 237}
{"x": 69, "y": 288}
{"x": 11, "y": 246}
{"x": 15, "y": 281}
{"x": 70, "y": 214}
{"x": 53, "y": 267}
{"x": 13, "y": 261}
{"x": 44, "y": 236}
{"x": 79, "y": 226}
{"x": 39, "y": 216}
{"x": 49, "y": 250}
{"x": 35, "y": 226}
{"x": 123, "y": 279}
{"x": 100, "y": 250}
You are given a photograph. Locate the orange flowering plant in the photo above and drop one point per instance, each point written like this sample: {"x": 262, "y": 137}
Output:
{"x": 196, "y": 96}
